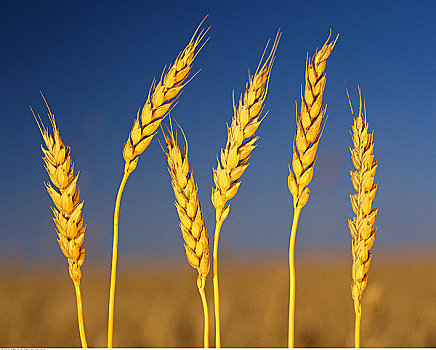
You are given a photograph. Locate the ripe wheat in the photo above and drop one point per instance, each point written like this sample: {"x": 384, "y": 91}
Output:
{"x": 160, "y": 98}
{"x": 67, "y": 215}
{"x": 310, "y": 125}
{"x": 191, "y": 217}
{"x": 159, "y": 101}
{"x": 235, "y": 155}
{"x": 362, "y": 225}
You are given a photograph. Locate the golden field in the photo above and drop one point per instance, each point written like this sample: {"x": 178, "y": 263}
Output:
{"x": 159, "y": 305}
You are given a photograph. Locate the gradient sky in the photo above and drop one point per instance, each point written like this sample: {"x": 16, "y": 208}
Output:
{"x": 95, "y": 61}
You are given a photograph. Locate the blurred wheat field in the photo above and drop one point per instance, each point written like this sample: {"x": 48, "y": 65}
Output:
{"x": 159, "y": 307}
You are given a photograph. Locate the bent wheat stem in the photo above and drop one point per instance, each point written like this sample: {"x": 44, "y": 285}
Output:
{"x": 114, "y": 260}
{"x": 159, "y": 101}
{"x": 310, "y": 125}
{"x": 68, "y": 210}
{"x": 235, "y": 155}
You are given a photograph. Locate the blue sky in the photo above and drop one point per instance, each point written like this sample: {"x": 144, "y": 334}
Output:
{"x": 95, "y": 61}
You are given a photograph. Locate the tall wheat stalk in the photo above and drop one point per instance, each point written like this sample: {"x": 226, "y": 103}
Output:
{"x": 192, "y": 225}
{"x": 67, "y": 215}
{"x": 234, "y": 157}
{"x": 310, "y": 125}
{"x": 159, "y": 101}
{"x": 362, "y": 225}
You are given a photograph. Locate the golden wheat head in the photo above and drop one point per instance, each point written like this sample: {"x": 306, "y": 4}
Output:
{"x": 362, "y": 225}
{"x": 241, "y": 139}
{"x": 188, "y": 206}
{"x": 68, "y": 212}
{"x": 159, "y": 101}
{"x": 310, "y": 124}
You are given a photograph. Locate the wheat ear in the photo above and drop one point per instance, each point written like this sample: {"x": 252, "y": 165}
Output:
{"x": 188, "y": 207}
{"x": 159, "y": 101}
{"x": 310, "y": 125}
{"x": 67, "y": 215}
{"x": 362, "y": 225}
{"x": 234, "y": 157}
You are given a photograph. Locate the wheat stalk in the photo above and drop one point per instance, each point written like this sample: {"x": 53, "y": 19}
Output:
{"x": 159, "y": 101}
{"x": 188, "y": 207}
{"x": 310, "y": 125}
{"x": 234, "y": 157}
{"x": 67, "y": 214}
{"x": 362, "y": 225}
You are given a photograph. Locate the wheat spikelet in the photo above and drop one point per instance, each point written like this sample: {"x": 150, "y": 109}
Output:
{"x": 240, "y": 136}
{"x": 190, "y": 213}
{"x": 159, "y": 101}
{"x": 67, "y": 215}
{"x": 310, "y": 124}
{"x": 188, "y": 206}
{"x": 362, "y": 225}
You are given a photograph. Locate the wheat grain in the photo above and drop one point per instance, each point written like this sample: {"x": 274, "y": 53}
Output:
{"x": 67, "y": 214}
{"x": 310, "y": 125}
{"x": 362, "y": 225}
{"x": 188, "y": 207}
{"x": 234, "y": 157}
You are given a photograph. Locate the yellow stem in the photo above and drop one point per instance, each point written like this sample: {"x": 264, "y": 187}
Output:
{"x": 216, "y": 294}
{"x": 297, "y": 212}
{"x": 206, "y": 315}
{"x": 110, "y": 328}
{"x": 357, "y": 329}
{"x": 80, "y": 315}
